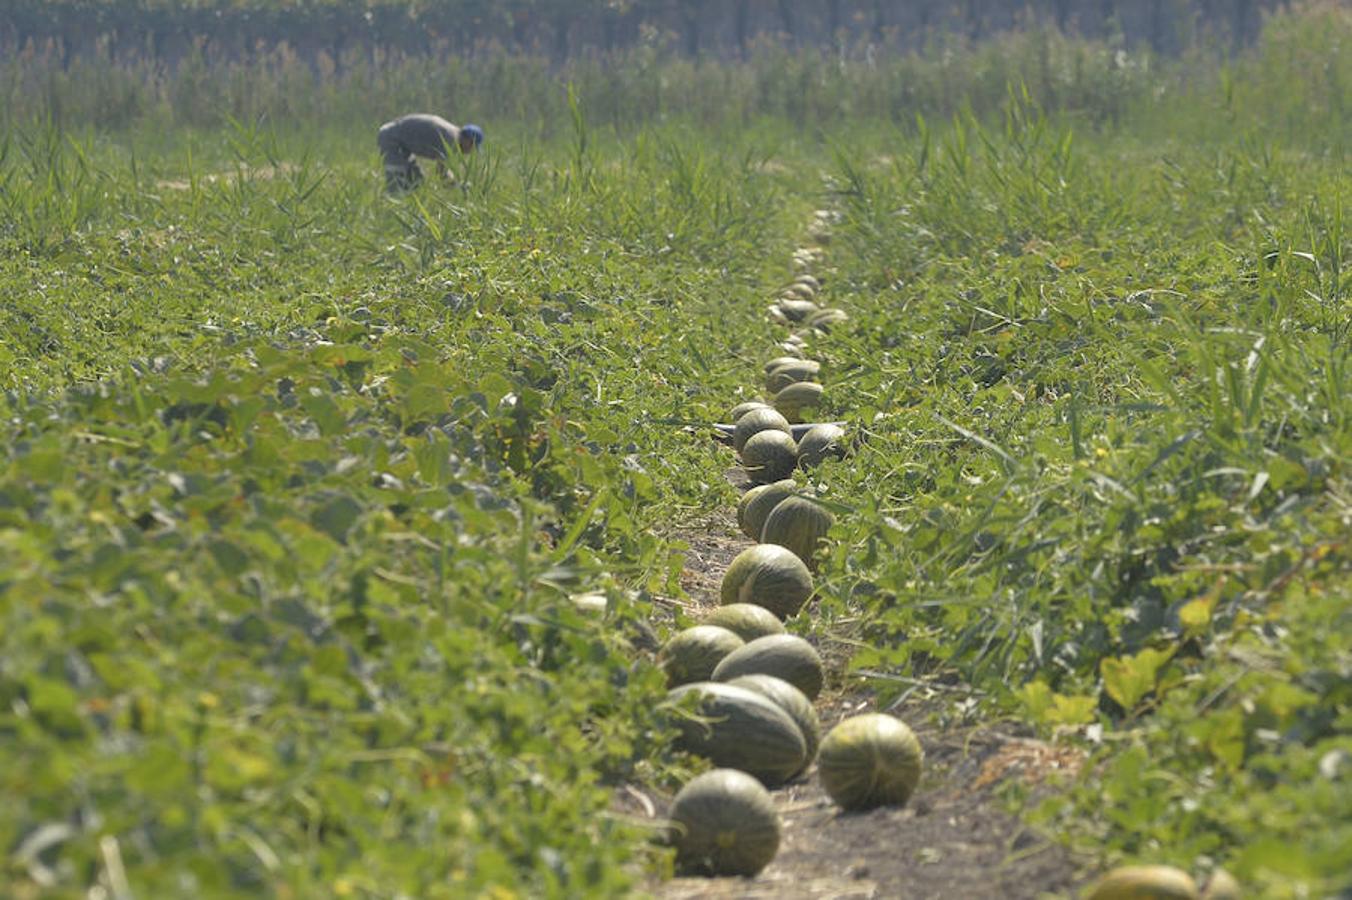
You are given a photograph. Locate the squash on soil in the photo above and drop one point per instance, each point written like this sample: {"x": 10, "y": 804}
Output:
{"x": 746, "y": 620}
{"x": 770, "y": 576}
{"x": 769, "y": 455}
{"x": 1144, "y": 883}
{"x": 823, "y": 319}
{"x": 755, "y": 421}
{"x": 799, "y": 524}
{"x": 740, "y": 729}
{"x": 792, "y": 400}
{"x": 724, "y": 823}
{"x": 792, "y": 701}
{"x": 756, "y": 504}
{"x": 692, "y": 654}
{"x": 742, "y": 409}
{"x": 784, "y": 375}
{"x": 869, "y": 760}
{"x": 782, "y": 361}
{"x": 819, "y": 443}
{"x": 796, "y": 308}
{"x": 785, "y": 656}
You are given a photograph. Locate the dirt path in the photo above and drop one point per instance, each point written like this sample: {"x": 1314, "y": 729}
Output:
{"x": 953, "y": 840}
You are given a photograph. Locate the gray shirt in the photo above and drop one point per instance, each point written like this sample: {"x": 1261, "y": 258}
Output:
{"x": 420, "y": 134}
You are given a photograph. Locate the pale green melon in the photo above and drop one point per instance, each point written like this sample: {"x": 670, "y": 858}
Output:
{"x": 870, "y": 760}
{"x": 770, "y": 576}
{"x": 724, "y": 823}
{"x": 742, "y": 409}
{"x": 792, "y": 701}
{"x": 756, "y": 504}
{"x": 821, "y": 442}
{"x": 692, "y": 654}
{"x": 824, "y": 319}
{"x": 785, "y": 656}
{"x": 797, "y": 309}
{"x": 778, "y": 361}
{"x": 785, "y": 374}
{"x": 810, "y": 281}
{"x": 769, "y": 455}
{"x": 1144, "y": 883}
{"x": 746, "y": 620}
{"x": 755, "y": 421}
{"x": 799, "y": 524}
{"x": 740, "y": 729}
{"x": 795, "y": 399}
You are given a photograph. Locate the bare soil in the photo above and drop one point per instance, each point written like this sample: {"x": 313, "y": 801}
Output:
{"x": 955, "y": 839}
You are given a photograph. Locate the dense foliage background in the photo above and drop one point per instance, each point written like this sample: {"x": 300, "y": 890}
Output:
{"x": 335, "y": 29}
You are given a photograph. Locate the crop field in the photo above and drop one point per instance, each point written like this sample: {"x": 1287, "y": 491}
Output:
{"x": 340, "y": 532}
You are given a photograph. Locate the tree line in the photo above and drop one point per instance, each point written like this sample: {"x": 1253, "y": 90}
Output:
{"x": 169, "y": 30}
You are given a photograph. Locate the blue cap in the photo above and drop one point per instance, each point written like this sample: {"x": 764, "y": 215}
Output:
{"x": 475, "y": 132}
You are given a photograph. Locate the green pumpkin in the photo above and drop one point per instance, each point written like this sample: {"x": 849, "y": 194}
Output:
{"x": 746, "y": 620}
{"x": 742, "y": 409}
{"x": 782, "y": 376}
{"x": 1144, "y": 883}
{"x": 800, "y": 525}
{"x": 756, "y": 421}
{"x": 782, "y": 361}
{"x": 692, "y": 654}
{"x": 724, "y": 823}
{"x": 785, "y": 656}
{"x": 756, "y": 504}
{"x": 824, "y": 319}
{"x": 797, "y": 309}
{"x": 870, "y": 760}
{"x": 769, "y": 455}
{"x": 821, "y": 442}
{"x": 792, "y": 701}
{"x": 770, "y": 576}
{"x": 740, "y": 729}
{"x": 795, "y": 399}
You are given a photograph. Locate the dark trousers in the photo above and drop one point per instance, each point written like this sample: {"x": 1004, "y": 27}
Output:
{"x": 401, "y": 169}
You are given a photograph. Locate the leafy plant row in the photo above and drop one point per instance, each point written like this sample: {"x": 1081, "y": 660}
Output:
{"x": 296, "y": 489}
{"x": 1106, "y": 482}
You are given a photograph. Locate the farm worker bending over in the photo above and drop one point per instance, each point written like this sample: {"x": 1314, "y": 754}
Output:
{"x": 420, "y": 134}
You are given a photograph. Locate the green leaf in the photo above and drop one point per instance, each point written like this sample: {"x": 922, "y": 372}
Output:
{"x": 1128, "y": 679}
{"x": 1050, "y": 708}
{"x": 1195, "y": 615}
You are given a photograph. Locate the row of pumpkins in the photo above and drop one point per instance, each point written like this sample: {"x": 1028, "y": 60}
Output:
{"x": 753, "y": 683}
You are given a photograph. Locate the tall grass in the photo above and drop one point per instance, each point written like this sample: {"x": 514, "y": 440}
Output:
{"x": 1296, "y": 80}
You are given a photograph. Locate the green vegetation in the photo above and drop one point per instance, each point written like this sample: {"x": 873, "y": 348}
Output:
{"x": 299, "y": 483}
{"x": 1108, "y": 381}
{"x": 296, "y": 483}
